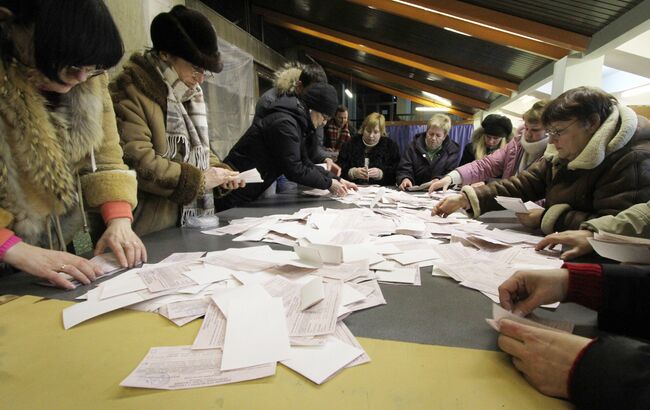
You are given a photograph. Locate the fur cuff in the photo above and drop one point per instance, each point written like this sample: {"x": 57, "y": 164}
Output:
{"x": 6, "y": 218}
{"x": 110, "y": 186}
{"x": 189, "y": 184}
{"x": 474, "y": 204}
{"x": 551, "y": 216}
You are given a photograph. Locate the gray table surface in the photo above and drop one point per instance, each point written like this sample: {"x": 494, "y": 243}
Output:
{"x": 440, "y": 312}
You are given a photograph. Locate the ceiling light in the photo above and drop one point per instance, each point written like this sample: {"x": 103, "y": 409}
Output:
{"x": 435, "y": 97}
{"x": 349, "y": 93}
{"x": 430, "y": 10}
{"x": 636, "y": 91}
{"x": 432, "y": 109}
{"x": 457, "y": 31}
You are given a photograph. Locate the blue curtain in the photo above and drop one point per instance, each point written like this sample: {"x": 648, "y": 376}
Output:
{"x": 404, "y": 134}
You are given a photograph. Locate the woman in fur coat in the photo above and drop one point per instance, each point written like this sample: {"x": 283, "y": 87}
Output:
{"x": 59, "y": 148}
{"x": 163, "y": 123}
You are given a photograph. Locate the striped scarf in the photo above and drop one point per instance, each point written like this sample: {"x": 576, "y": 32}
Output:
{"x": 187, "y": 132}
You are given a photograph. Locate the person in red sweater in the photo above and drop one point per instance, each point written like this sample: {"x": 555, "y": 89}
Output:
{"x": 606, "y": 372}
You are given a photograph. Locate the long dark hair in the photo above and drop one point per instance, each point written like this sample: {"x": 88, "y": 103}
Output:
{"x": 67, "y": 33}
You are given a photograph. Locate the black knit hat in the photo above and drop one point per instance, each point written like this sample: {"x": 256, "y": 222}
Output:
{"x": 497, "y": 125}
{"x": 321, "y": 97}
{"x": 188, "y": 34}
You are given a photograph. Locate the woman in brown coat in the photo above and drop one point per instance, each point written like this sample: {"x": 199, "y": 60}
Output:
{"x": 598, "y": 163}
{"x": 163, "y": 124}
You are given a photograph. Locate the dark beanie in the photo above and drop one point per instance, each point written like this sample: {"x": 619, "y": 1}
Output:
{"x": 188, "y": 34}
{"x": 497, "y": 125}
{"x": 321, "y": 97}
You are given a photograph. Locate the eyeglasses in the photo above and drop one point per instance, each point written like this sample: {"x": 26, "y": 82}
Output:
{"x": 557, "y": 133}
{"x": 198, "y": 71}
{"x": 92, "y": 71}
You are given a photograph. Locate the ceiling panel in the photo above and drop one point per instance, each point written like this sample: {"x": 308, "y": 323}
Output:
{"x": 581, "y": 16}
{"x": 419, "y": 38}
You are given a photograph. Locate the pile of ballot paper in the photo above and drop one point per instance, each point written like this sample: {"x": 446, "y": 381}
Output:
{"x": 261, "y": 306}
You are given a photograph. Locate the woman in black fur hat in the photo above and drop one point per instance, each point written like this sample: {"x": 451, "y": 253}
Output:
{"x": 163, "y": 123}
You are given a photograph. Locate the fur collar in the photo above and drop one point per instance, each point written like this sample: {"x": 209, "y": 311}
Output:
{"x": 48, "y": 146}
{"x": 286, "y": 79}
{"x": 613, "y": 134}
{"x": 144, "y": 76}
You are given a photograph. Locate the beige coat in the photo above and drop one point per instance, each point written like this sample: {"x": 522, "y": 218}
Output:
{"x": 164, "y": 185}
{"x": 43, "y": 151}
{"x": 634, "y": 221}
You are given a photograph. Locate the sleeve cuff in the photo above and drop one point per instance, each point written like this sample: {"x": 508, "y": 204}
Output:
{"x": 5, "y": 234}
{"x": 116, "y": 209}
{"x": 575, "y": 365}
{"x": 456, "y": 178}
{"x": 585, "y": 284}
{"x": 8, "y": 244}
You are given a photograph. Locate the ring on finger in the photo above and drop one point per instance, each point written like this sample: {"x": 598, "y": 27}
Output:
{"x": 62, "y": 268}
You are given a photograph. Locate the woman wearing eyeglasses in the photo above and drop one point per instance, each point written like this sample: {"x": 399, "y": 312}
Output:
{"x": 599, "y": 164}
{"x": 59, "y": 147}
{"x": 163, "y": 124}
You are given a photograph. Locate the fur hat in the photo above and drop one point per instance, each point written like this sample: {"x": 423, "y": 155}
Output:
{"x": 188, "y": 34}
{"x": 497, "y": 125}
{"x": 321, "y": 97}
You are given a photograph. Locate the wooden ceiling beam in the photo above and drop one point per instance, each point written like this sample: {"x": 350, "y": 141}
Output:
{"x": 398, "y": 93}
{"x": 484, "y": 33}
{"x": 397, "y": 79}
{"x": 503, "y": 21}
{"x": 397, "y": 55}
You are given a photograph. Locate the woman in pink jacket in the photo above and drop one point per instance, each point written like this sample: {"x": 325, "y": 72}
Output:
{"x": 516, "y": 156}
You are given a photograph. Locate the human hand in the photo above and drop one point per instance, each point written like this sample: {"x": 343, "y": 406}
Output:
{"x": 450, "y": 205}
{"x": 533, "y": 219}
{"x": 215, "y": 177}
{"x": 350, "y": 186}
{"x": 358, "y": 173}
{"x": 526, "y": 290}
{"x": 545, "y": 357}
{"x": 47, "y": 264}
{"x": 443, "y": 183}
{"x": 125, "y": 244}
{"x": 332, "y": 167}
{"x": 233, "y": 183}
{"x": 337, "y": 188}
{"x": 406, "y": 183}
{"x": 577, "y": 240}
{"x": 375, "y": 173}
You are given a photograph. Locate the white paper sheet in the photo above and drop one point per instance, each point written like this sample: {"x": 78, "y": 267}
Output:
{"x": 256, "y": 333}
{"x": 180, "y": 367}
{"x": 319, "y": 363}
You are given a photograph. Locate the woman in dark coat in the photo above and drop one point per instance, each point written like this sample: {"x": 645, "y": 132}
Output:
{"x": 431, "y": 155}
{"x": 276, "y": 144}
{"x": 370, "y": 157}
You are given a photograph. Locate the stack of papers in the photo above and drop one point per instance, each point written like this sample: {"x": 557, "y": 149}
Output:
{"x": 621, "y": 248}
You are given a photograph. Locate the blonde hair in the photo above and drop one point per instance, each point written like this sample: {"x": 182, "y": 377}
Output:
{"x": 478, "y": 143}
{"x": 441, "y": 121}
{"x": 372, "y": 120}
{"x": 534, "y": 114}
